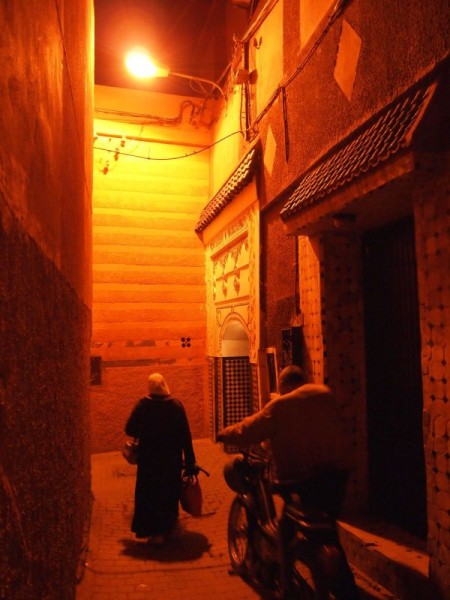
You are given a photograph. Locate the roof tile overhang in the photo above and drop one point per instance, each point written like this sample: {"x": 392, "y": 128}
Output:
{"x": 374, "y": 143}
{"x": 240, "y": 178}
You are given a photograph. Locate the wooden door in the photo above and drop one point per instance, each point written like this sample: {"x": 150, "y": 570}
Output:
{"x": 397, "y": 486}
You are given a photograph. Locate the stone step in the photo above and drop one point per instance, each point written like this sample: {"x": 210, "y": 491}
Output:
{"x": 369, "y": 589}
{"x": 396, "y": 562}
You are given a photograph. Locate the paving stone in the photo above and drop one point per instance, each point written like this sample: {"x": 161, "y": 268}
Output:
{"x": 193, "y": 566}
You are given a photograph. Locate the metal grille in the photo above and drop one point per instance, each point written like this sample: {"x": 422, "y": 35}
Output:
{"x": 232, "y": 392}
{"x": 237, "y": 389}
{"x": 237, "y": 392}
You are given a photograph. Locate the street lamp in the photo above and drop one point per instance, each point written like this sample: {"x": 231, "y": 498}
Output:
{"x": 140, "y": 65}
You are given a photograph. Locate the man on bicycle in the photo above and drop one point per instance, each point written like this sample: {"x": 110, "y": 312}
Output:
{"x": 302, "y": 428}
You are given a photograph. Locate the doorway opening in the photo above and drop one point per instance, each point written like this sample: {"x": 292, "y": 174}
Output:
{"x": 236, "y": 375}
{"x": 397, "y": 485}
{"x": 235, "y": 340}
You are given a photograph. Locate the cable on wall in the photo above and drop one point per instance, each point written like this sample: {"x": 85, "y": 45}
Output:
{"x": 281, "y": 89}
{"x": 72, "y": 93}
{"x": 118, "y": 152}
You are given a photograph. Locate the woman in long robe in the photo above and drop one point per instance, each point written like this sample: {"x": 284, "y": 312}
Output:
{"x": 160, "y": 424}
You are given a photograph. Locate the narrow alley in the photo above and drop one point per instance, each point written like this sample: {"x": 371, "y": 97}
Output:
{"x": 195, "y": 565}
{"x": 269, "y": 189}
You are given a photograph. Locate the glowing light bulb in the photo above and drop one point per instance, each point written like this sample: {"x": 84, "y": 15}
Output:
{"x": 140, "y": 65}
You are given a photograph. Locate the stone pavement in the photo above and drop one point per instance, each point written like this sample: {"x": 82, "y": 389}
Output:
{"x": 194, "y": 566}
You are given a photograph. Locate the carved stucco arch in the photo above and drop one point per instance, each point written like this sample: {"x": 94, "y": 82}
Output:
{"x": 230, "y": 320}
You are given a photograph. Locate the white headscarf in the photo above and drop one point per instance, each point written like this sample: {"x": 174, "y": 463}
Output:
{"x": 157, "y": 385}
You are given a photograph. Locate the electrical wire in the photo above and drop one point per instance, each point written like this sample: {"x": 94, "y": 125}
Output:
{"x": 154, "y": 119}
{"x": 71, "y": 90}
{"x": 252, "y": 130}
{"x": 105, "y": 165}
{"x": 337, "y": 9}
{"x": 119, "y": 153}
{"x": 264, "y": 11}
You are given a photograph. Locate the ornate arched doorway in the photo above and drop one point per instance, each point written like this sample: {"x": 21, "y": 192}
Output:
{"x": 234, "y": 340}
{"x": 232, "y": 379}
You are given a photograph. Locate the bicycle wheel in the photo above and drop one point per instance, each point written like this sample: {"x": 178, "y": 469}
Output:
{"x": 238, "y": 532}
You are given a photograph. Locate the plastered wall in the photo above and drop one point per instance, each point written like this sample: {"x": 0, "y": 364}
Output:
{"x": 45, "y": 261}
{"x": 148, "y": 266}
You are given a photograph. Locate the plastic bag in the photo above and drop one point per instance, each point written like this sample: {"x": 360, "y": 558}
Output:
{"x": 191, "y": 498}
{"x": 130, "y": 451}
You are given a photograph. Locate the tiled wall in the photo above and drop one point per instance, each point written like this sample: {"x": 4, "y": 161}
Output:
{"x": 330, "y": 292}
{"x": 432, "y": 215}
{"x": 342, "y": 319}
{"x": 311, "y": 306}
{"x": 330, "y": 296}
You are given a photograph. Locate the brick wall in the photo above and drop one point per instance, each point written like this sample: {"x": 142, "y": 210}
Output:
{"x": 148, "y": 271}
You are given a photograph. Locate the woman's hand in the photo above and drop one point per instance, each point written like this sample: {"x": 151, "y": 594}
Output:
{"x": 191, "y": 470}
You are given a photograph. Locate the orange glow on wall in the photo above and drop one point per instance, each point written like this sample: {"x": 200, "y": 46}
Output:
{"x": 148, "y": 263}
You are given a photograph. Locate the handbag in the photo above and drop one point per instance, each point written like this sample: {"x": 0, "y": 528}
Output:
{"x": 130, "y": 451}
{"x": 191, "y": 498}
